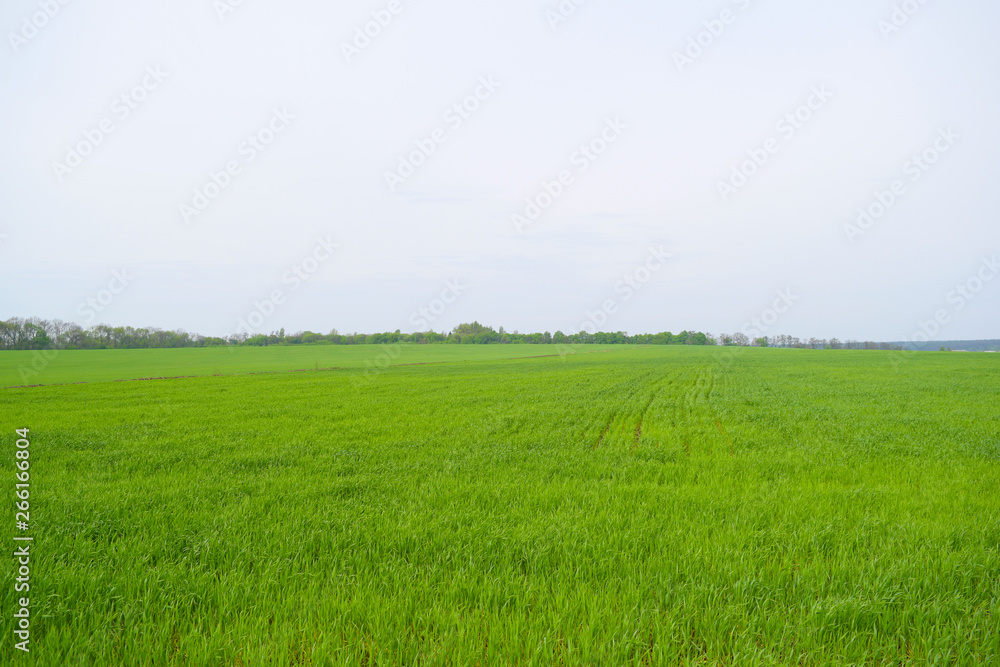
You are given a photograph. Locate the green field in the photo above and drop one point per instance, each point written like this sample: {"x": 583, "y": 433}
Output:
{"x": 629, "y": 506}
{"x": 23, "y": 368}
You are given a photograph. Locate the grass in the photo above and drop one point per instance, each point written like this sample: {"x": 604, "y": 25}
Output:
{"x": 20, "y": 368}
{"x": 627, "y": 507}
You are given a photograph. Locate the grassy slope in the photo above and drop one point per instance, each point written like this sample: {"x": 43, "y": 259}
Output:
{"x": 647, "y": 506}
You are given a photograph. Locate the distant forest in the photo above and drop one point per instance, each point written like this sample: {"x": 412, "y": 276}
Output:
{"x": 38, "y": 334}
{"x": 955, "y": 346}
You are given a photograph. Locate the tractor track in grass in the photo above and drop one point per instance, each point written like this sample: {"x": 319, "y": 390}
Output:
{"x": 691, "y": 414}
{"x": 705, "y": 386}
{"x": 637, "y": 430}
{"x": 722, "y": 430}
{"x": 637, "y": 438}
{"x": 600, "y": 438}
{"x": 614, "y": 415}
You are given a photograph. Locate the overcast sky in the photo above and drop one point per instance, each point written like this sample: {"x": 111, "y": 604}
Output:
{"x": 622, "y": 122}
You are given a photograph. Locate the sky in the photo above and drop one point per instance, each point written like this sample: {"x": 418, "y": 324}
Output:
{"x": 812, "y": 169}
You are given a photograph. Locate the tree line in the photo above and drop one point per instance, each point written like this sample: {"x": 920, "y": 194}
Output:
{"x": 38, "y": 334}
